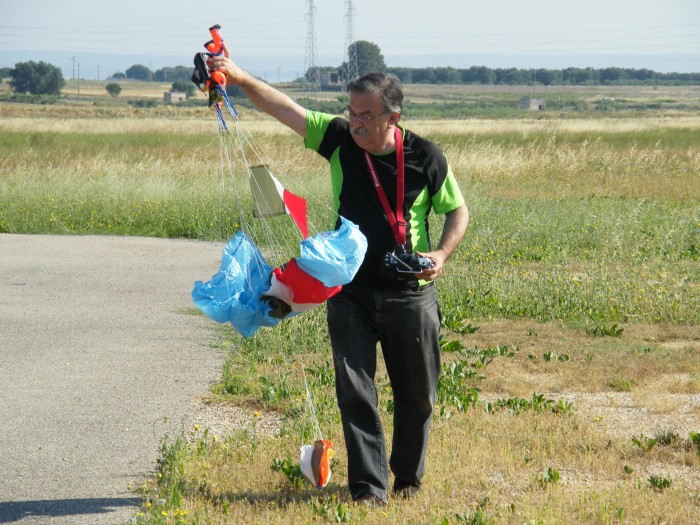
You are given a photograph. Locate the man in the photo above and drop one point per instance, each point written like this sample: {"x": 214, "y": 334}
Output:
{"x": 371, "y": 158}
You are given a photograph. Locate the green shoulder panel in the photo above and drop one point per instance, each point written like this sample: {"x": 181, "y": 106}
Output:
{"x": 316, "y": 126}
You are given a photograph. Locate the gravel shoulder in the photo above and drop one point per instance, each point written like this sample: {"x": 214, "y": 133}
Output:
{"x": 100, "y": 357}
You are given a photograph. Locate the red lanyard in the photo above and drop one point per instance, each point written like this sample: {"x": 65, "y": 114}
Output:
{"x": 398, "y": 225}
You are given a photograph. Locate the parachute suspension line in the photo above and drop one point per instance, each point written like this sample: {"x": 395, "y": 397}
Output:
{"x": 222, "y": 121}
{"x": 231, "y": 110}
{"x": 235, "y": 138}
{"x": 246, "y": 138}
{"x": 227, "y": 145}
{"x": 286, "y": 181}
{"x": 251, "y": 154}
{"x": 222, "y": 176}
{"x": 310, "y": 407}
{"x": 279, "y": 245}
{"x": 221, "y": 92}
{"x": 230, "y": 143}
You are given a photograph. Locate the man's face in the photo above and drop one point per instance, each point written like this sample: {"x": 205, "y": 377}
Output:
{"x": 371, "y": 125}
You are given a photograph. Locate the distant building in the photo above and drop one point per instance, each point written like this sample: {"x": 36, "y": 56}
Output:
{"x": 173, "y": 97}
{"x": 329, "y": 79}
{"x": 533, "y": 104}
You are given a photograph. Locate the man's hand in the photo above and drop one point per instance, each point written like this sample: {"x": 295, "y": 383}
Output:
{"x": 456, "y": 222}
{"x": 234, "y": 74}
{"x": 261, "y": 94}
{"x": 430, "y": 274}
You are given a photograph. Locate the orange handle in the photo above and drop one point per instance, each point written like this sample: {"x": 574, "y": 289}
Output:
{"x": 216, "y": 44}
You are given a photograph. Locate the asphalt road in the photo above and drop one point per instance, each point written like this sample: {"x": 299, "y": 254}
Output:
{"x": 99, "y": 359}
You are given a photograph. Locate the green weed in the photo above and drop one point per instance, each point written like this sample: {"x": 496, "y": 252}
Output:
{"x": 667, "y": 437}
{"x": 538, "y": 404}
{"x": 291, "y": 470}
{"x": 602, "y": 331}
{"x": 330, "y": 509}
{"x": 621, "y": 384}
{"x": 276, "y": 389}
{"x": 322, "y": 375}
{"x": 659, "y": 483}
{"x": 447, "y": 345}
{"x": 455, "y": 385}
{"x": 233, "y": 382}
{"x": 485, "y": 356}
{"x": 645, "y": 443}
{"x": 457, "y": 324}
{"x": 551, "y": 356}
{"x": 548, "y": 477}
{"x": 694, "y": 439}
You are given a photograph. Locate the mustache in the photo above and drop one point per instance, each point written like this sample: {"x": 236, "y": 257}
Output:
{"x": 361, "y": 132}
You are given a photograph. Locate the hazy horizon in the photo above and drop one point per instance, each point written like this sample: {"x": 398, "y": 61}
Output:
{"x": 271, "y": 38}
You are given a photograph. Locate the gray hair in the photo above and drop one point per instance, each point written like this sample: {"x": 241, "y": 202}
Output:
{"x": 388, "y": 87}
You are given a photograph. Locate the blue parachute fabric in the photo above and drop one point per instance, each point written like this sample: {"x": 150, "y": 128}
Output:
{"x": 334, "y": 257}
{"x": 233, "y": 294}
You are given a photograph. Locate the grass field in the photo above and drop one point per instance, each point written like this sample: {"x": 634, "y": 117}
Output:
{"x": 571, "y": 378}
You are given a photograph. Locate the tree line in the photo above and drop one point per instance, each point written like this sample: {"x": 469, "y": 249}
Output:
{"x": 39, "y": 78}
{"x": 572, "y": 76}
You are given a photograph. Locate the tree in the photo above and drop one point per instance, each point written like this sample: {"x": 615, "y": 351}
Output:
{"x": 512, "y": 76}
{"x": 182, "y": 86}
{"x": 37, "y": 78}
{"x": 171, "y": 74}
{"x": 369, "y": 58}
{"x": 479, "y": 75}
{"x": 579, "y": 77}
{"x": 612, "y": 75}
{"x": 447, "y": 75}
{"x": 404, "y": 74}
{"x": 113, "y": 89}
{"x": 425, "y": 75}
{"x": 138, "y": 72}
{"x": 547, "y": 77}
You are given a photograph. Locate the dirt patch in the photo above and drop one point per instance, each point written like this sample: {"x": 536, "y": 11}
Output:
{"x": 222, "y": 419}
{"x": 623, "y": 415}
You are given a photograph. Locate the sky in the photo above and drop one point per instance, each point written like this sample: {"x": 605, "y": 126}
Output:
{"x": 94, "y": 38}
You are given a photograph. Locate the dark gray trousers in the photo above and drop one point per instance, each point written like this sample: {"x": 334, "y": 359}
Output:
{"x": 406, "y": 323}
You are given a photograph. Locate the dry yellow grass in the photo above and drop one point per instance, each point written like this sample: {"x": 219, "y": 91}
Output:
{"x": 496, "y": 463}
{"x": 19, "y": 118}
{"x": 552, "y": 126}
{"x": 130, "y": 88}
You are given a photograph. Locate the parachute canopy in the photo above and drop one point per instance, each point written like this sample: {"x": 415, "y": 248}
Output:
{"x": 250, "y": 294}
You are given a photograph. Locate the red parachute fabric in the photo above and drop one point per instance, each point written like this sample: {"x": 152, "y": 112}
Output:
{"x": 297, "y": 209}
{"x": 305, "y": 288}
